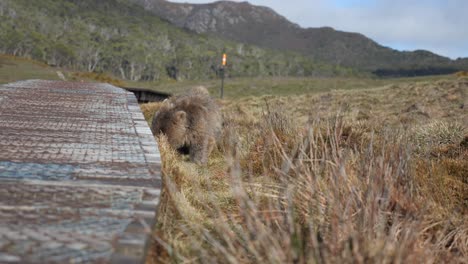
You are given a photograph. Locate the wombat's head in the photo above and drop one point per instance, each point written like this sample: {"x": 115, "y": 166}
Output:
{"x": 173, "y": 124}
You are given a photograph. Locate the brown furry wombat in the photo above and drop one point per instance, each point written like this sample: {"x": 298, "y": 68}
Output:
{"x": 191, "y": 121}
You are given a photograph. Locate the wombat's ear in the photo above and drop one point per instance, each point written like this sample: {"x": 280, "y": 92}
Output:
{"x": 201, "y": 90}
{"x": 180, "y": 115}
{"x": 167, "y": 103}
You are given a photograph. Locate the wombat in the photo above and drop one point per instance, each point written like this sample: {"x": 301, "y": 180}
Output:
{"x": 191, "y": 121}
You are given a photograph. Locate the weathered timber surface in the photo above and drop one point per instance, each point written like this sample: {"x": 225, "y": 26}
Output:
{"x": 79, "y": 174}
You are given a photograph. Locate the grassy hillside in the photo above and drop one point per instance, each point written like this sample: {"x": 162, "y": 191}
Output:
{"x": 14, "y": 69}
{"x": 374, "y": 175}
{"x": 123, "y": 39}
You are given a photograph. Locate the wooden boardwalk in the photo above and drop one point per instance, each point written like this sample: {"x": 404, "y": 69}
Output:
{"x": 79, "y": 174}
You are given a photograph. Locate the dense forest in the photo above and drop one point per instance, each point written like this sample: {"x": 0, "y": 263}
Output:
{"x": 121, "y": 38}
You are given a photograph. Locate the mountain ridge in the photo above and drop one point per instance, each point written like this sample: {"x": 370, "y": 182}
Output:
{"x": 262, "y": 26}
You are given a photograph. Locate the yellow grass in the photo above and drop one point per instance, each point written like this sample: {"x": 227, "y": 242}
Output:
{"x": 373, "y": 175}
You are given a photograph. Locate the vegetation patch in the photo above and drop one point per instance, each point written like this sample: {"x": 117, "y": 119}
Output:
{"x": 306, "y": 179}
{"x": 15, "y": 69}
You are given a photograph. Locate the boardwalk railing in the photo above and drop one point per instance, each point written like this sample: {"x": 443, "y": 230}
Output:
{"x": 79, "y": 174}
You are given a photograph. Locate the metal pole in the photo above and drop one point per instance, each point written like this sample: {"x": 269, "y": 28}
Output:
{"x": 222, "y": 82}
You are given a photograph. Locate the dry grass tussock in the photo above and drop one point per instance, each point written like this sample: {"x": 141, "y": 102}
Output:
{"x": 320, "y": 188}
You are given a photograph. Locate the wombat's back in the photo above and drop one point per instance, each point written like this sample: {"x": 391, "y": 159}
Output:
{"x": 199, "y": 98}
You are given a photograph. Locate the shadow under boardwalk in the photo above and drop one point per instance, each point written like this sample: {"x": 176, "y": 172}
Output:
{"x": 147, "y": 96}
{"x": 79, "y": 174}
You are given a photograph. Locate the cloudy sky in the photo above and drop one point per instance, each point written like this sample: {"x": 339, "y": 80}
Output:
{"x": 440, "y": 26}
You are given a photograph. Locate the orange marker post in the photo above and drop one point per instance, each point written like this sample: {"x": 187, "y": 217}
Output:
{"x": 224, "y": 59}
{"x": 223, "y": 64}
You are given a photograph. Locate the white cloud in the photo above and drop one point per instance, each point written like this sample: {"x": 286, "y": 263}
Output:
{"x": 436, "y": 25}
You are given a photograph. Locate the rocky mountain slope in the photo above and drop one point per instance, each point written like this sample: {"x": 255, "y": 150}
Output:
{"x": 262, "y": 26}
{"x": 122, "y": 38}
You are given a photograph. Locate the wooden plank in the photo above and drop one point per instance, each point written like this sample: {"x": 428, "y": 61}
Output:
{"x": 79, "y": 174}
